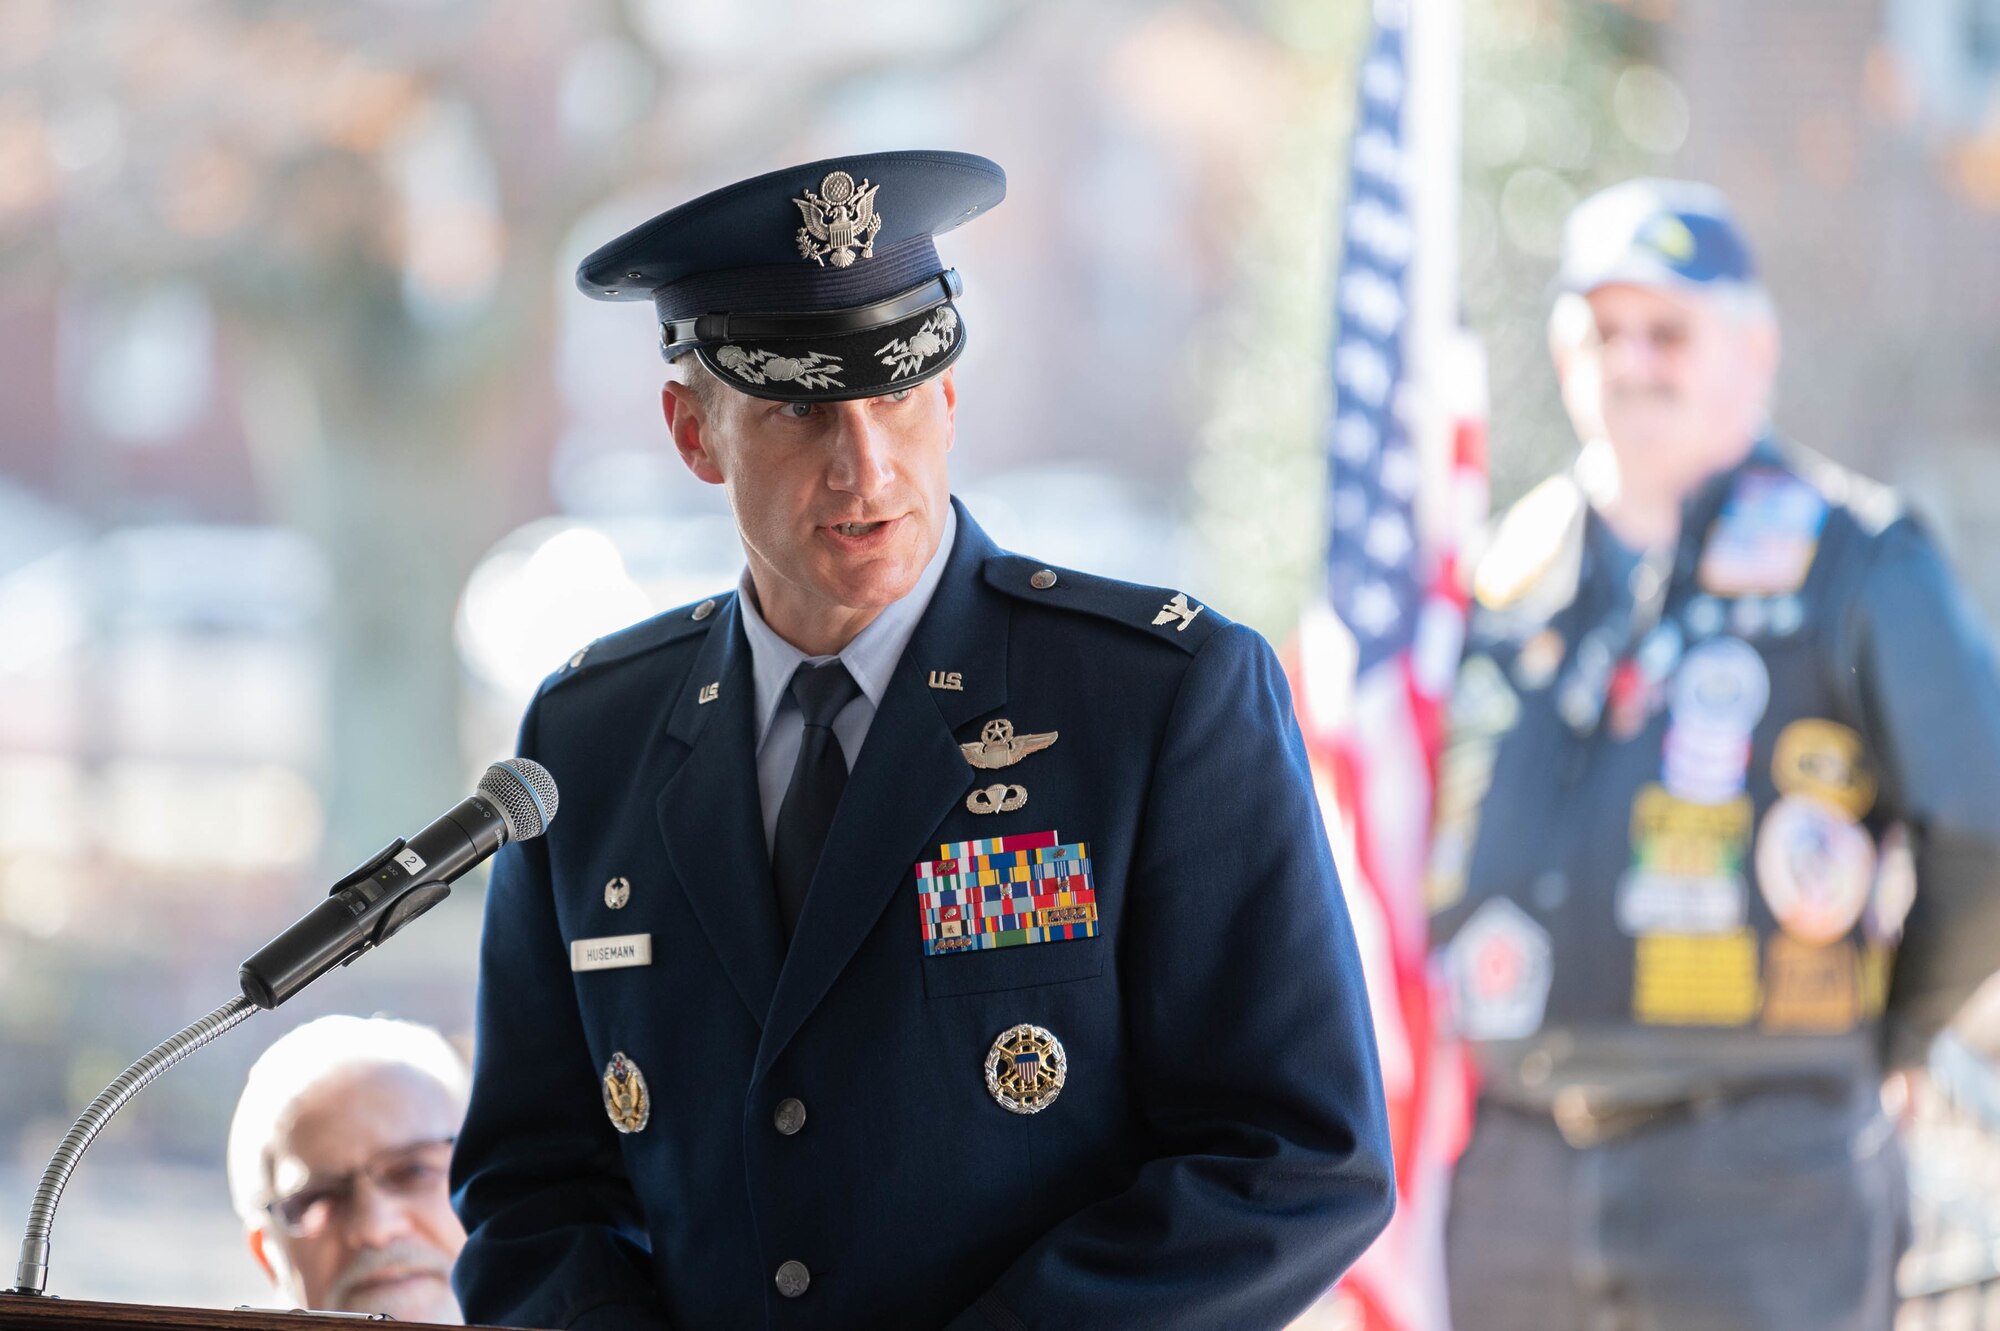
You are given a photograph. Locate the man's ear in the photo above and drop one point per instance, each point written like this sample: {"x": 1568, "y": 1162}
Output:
{"x": 687, "y": 422}
{"x": 265, "y": 1252}
{"x": 950, "y": 391}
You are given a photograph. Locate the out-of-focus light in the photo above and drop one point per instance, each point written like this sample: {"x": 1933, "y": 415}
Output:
{"x": 542, "y": 593}
{"x": 27, "y": 170}
{"x": 1533, "y": 204}
{"x": 209, "y": 193}
{"x": 1651, "y": 109}
{"x": 43, "y": 615}
{"x": 1496, "y": 126}
{"x": 38, "y": 893}
{"x": 42, "y": 802}
{"x": 606, "y": 86}
{"x": 452, "y": 233}
{"x": 87, "y": 137}
{"x": 149, "y": 367}
{"x": 1976, "y": 170}
{"x": 191, "y": 816}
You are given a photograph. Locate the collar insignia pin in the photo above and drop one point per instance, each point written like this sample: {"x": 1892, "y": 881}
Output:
{"x": 1178, "y": 608}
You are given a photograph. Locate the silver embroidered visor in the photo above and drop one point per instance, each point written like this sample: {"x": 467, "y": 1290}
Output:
{"x": 830, "y": 355}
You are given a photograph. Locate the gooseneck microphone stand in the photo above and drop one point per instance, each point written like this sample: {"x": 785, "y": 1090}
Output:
{"x": 516, "y": 800}
{"x": 32, "y": 1275}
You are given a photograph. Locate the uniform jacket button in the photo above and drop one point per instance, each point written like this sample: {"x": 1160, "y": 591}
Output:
{"x": 790, "y": 1116}
{"x": 1043, "y": 579}
{"x": 792, "y": 1279}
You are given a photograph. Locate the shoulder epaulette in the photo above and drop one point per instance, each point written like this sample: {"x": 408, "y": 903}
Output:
{"x": 662, "y": 630}
{"x": 1159, "y": 612}
{"x": 1531, "y": 561}
{"x": 1872, "y": 505}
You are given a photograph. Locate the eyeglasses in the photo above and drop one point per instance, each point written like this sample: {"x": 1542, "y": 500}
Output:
{"x": 418, "y": 1170}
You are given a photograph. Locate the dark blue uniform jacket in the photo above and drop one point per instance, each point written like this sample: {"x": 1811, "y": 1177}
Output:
{"x": 1218, "y": 1153}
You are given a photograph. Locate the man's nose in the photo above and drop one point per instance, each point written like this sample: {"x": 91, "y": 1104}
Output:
{"x": 860, "y": 463}
{"x": 372, "y": 1217}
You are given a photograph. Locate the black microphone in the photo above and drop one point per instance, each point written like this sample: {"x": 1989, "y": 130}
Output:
{"x": 516, "y": 800}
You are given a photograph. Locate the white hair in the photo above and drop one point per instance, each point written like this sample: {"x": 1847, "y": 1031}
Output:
{"x": 303, "y": 1058}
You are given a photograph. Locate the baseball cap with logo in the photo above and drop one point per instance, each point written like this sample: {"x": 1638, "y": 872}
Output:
{"x": 1656, "y": 233}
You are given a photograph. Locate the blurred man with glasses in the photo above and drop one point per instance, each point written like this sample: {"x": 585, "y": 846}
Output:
{"x": 338, "y": 1157}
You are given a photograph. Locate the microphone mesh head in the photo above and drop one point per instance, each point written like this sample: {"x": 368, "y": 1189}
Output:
{"x": 525, "y": 794}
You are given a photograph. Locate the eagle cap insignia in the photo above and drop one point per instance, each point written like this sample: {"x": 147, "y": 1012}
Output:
{"x": 839, "y": 219}
{"x": 998, "y": 746}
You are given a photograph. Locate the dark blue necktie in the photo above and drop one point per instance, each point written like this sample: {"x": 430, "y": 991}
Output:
{"x": 818, "y": 777}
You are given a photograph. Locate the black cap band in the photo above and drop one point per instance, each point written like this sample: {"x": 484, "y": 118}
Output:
{"x": 677, "y": 335}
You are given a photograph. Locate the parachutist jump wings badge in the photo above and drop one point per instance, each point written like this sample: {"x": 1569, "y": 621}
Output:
{"x": 998, "y": 746}
{"x": 838, "y": 220}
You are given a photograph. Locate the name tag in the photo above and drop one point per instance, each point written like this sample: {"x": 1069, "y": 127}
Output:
{"x": 607, "y": 954}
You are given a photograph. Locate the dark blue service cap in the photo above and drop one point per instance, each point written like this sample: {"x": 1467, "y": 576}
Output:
{"x": 810, "y": 284}
{"x": 1658, "y": 233}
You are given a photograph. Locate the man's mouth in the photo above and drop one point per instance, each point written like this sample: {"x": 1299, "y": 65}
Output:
{"x": 855, "y": 528}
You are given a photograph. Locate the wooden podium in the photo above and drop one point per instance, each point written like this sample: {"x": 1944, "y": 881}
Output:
{"x": 27, "y": 1312}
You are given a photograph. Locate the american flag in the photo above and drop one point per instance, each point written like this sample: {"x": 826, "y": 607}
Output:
{"x": 1375, "y": 659}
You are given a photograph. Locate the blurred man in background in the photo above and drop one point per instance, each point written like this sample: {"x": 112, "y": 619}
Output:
{"x": 1716, "y": 836}
{"x": 338, "y": 1157}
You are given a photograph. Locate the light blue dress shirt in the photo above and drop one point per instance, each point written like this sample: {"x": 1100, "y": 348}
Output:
{"x": 871, "y": 658}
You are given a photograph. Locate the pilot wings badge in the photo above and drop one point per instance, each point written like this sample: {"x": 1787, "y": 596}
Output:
{"x": 998, "y": 746}
{"x": 838, "y": 220}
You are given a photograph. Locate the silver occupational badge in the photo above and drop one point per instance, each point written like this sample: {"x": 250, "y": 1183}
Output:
{"x": 999, "y": 746}
{"x": 1025, "y": 1070}
{"x": 997, "y": 799}
{"x": 838, "y": 220}
{"x": 626, "y": 1099}
{"x": 617, "y": 892}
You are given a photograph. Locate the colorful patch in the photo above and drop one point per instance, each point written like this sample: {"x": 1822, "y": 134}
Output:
{"x": 1005, "y": 892}
{"x": 1812, "y": 988}
{"x": 1877, "y": 968}
{"x": 1815, "y": 866}
{"x": 1722, "y": 685}
{"x": 1827, "y": 760}
{"x": 1483, "y": 705}
{"x": 1764, "y": 541}
{"x": 1465, "y": 774}
{"x": 1719, "y": 694}
{"x": 1501, "y": 964}
{"x": 1704, "y": 766}
{"x": 1696, "y": 979}
{"x": 1687, "y": 866}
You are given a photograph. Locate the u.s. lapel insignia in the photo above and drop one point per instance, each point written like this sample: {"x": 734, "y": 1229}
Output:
{"x": 617, "y": 892}
{"x": 840, "y": 219}
{"x": 626, "y": 1099}
{"x": 997, "y": 799}
{"x": 1026, "y": 1069}
{"x": 998, "y": 746}
{"x": 1178, "y": 608}
{"x": 948, "y": 680}
{"x": 709, "y": 693}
